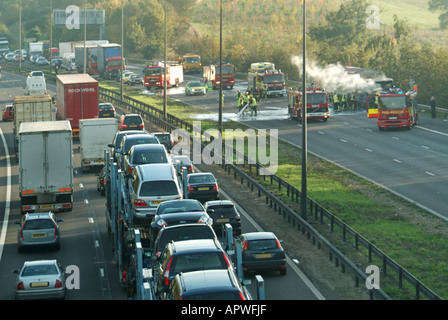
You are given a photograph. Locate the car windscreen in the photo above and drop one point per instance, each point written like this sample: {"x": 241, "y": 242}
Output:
{"x": 132, "y": 120}
{"x": 198, "y": 261}
{"x": 38, "y": 224}
{"x": 158, "y": 188}
{"x": 179, "y": 206}
{"x": 223, "y": 209}
{"x": 45, "y": 269}
{"x": 263, "y": 244}
{"x": 132, "y": 142}
{"x": 201, "y": 179}
{"x": 183, "y": 234}
{"x": 149, "y": 157}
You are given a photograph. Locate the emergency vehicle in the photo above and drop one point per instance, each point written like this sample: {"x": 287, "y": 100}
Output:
{"x": 154, "y": 73}
{"x": 316, "y": 104}
{"x": 261, "y": 73}
{"x": 211, "y": 74}
{"x": 191, "y": 62}
{"x": 397, "y": 108}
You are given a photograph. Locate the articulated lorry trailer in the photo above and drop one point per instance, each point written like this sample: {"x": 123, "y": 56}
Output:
{"x": 45, "y": 166}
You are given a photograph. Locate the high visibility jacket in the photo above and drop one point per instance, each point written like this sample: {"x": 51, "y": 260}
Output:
{"x": 240, "y": 101}
{"x": 336, "y": 98}
{"x": 253, "y": 102}
{"x": 246, "y": 99}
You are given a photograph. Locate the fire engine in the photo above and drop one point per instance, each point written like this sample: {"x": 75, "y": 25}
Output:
{"x": 397, "y": 108}
{"x": 191, "y": 62}
{"x": 265, "y": 73}
{"x": 211, "y": 74}
{"x": 316, "y": 104}
{"x": 154, "y": 72}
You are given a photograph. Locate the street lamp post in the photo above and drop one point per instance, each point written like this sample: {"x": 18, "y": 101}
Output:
{"x": 164, "y": 68}
{"x": 220, "y": 69}
{"x": 303, "y": 205}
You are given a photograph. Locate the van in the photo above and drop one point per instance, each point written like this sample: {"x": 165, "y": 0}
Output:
{"x": 68, "y": 61}
{"x": 150, "y": 185}
{"x": 35, "y": 86}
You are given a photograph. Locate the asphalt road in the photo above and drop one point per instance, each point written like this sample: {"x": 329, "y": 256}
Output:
{"x": 85, "y": 242}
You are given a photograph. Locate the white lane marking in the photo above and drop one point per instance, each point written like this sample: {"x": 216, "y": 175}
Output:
{"x": 8, "y": 195}
{"x": 369, "y": 150}
{"x": 430, "y": 173}
{"x": 397, "y": 161}
{"x": 345, "y": 141}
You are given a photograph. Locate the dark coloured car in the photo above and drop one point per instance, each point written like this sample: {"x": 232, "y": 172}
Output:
{"x": 132, "y": 140}
{"x": 262, "y": 251}
{"x": 131, "y": 121}
{"x": 106, "y": 110}
{"x": 182, "y": 232}
{"x": 187, "y": 256}
{"x": 202, "y": 186}
{"x": 38, "y": 229}
{"x": 115, "y": 145}
{"x": 180, "y": 161}
{"x": 144, "y": 154}
{"x": 207, "y": 285}
{"x": 222, "y": 212}
{"x": 166, "y": 139}
{"x": 181, "y": 211}
{"x": 101, "y": 181}
{"x": 42, "y": 61}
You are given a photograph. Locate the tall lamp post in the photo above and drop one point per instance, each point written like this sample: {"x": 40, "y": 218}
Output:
{"x": 220, "y": 69}
{"x": 164, "y": 68}
{"x": 303, "y": 194}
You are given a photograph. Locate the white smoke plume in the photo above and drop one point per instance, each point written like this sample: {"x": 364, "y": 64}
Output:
{"x": 335, "y": 78}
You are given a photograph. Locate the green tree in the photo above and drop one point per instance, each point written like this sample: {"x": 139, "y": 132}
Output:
{"x": 440, "y": 5}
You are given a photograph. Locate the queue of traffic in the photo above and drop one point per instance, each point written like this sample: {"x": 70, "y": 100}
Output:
{"x": 177, "y": 212}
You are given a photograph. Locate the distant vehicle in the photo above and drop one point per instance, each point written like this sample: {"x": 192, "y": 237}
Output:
{"x": 35, "y": 85}
{"x": 40, "y": 279}
{"x": 135, "y": 79}
{"x": 10, "y": 56}
{"x": 42, "y": 61}
{"x": 38, "y": 229}
{"x": 166, "y": 139}
{"x": 144, "y": 154}
{"x": 195, "y": 88}
{"x": 222, "y": 212}
{"x": 68, "y": 61}
{"x": 129, "y": 141}
{"x": 202, "y": 186}
{"x": 109, "y": 60}
{"x": 56, "y": 62}
{"x": 8, "y": 113}
{"x": 180, "y": 161}
{"x": 131, "y": 121}
{"x": 106, "y": 110}
{"x": 116, "y": 142}
{"x": 126, "y": 75}
{"x": 16, "y": 58}
{"x": 262, "y": 251}
{"x": 37, "y": 74}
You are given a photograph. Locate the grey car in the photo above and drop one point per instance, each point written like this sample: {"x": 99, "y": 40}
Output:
{"x": 40, "y": 279}
{"x": 38, "y": 229}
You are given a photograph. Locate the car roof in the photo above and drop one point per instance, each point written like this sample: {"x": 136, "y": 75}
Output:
{"x": 39, "y": 262}
{"x": 208, "y": 280}
{"x": 139, "y": 136}
{"x": 155, "y": 171}
{"x": 218, "y": 202}
{"x": 148, "y": 146}
{"x": 196, "y": 245}
{"x": 38, "y": 215}
{"x": 131, "y": 115}
{"x": 188, "y": 217}
{"x": 259, "y": 235}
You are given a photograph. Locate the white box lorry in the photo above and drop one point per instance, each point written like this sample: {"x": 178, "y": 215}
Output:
{"x": 45, "y": 166}
{"x": 31, "y": 109}
{"x": 94, "y": 137}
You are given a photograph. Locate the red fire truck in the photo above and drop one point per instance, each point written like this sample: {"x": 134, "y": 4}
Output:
{"x": 316, "y": 104}
{"x": 211, "y": 74}
{"x": 265, "y": 73}
{"x": 154, "y": 72}
{"x": 397, "y": 108}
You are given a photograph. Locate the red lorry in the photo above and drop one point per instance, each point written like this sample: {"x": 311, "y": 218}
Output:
{"x": 211, "y": 74}
{"x": 316, "y": 104}
{"x": 397, "y": 108}
{"x": 76, "y": 98}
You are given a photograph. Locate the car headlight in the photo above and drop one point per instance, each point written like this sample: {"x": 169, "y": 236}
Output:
{"x": 161, "y": 223}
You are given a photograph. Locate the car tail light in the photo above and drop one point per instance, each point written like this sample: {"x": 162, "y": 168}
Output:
{"x": 55, "y": 229}
{"x": 139, "y": 203}
{"x": 190, "y": 168}
{"x": 20, "y": 286}
{"x": 104, "y": 180}
{"x": 166, "y": 275}
{"x": 123, "y": 126}
{"x": 21, "y": 231}
{"x": 141, "y": 125}
{"x": 242, "y": 296}
{"x": 130, "y": 169}
{"x": 215, "y": 187}
{"x": 245, "y": 245}
{"x": 58, "y": 284}
{"x": 124, "y": 275}
{"x": 190, "y": 188}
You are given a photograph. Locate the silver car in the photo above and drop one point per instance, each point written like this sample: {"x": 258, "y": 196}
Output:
{"x": 37, "y": 229}
{"x": 40, "y": 279}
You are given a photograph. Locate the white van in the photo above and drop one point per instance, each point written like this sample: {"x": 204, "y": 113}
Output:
{"x": 68, "y": 61}
{"x": 151, "y": 185}
{"x": 35, "y": 86}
